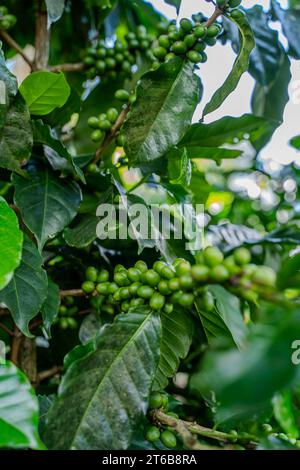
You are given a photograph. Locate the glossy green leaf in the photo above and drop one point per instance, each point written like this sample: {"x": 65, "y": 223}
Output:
{"x": 18, "y": 410}
{"x": 177, "y": 333}
{"x": 295, "y": 142}
{"x": 212, "y": 153}
{"x": 55, "y": 152}
{"x": 226, "y": 319}
{"x": 27, "y": 291}
{"x": 166, "y": 101}
{"x": 240, "y": 66}
{"x": 11, "y": 239}
{"x": 226, "y": 130}
{"x": 104, "y": 385}
{"x": 55, "y": 9}
{"x": 284, "y": 413}
{"x": 290, "y": 22}
{"x": 83, "y": 233}
{"x": 44, "y": 91}
{"x": 289, "y": 273}
{"x": 270, "y": 101}
{"x": 245, "y": 382}
{"x": 184, "y": 177}
{"x": 174, "y": 3}
{"x": 47, "y": 203}
{"x": 49, "y": 310}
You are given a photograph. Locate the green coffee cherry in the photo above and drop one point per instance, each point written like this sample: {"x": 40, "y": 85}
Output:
{"x": 121, "y": 278}
{"x": 186, "y": 282}
{"x": 157, "y": 301}
{"x": 210, "y": 41}
{"x": 170, "y": 56}
{"x": 92, "y": 168}
{"x": 62, "y": 310}
{"x": 155, "y": 400}
{"x": 103, "y": 276}
{"x": 200, "y": 273}
{"x": 213, "y": 31}
{"x": 264, "y": 276}
{"x": 237, "y": 14}
{"x": 122, "y": 95}
{"x": 136, "y": 302}
{"x": 207, "y": 302}
{"x": 168, "y": 308}
{"x": 103, "y": 288}
{"x": 112, "y": 115}
{"x": 88, "y": 287}
{"x": 133, "y": 288}
{"x": 194, "y": 57}
{"x": 134, "y": 274}
{"x": 221, "y": 3}
{"x": 152, "y": 434}
{"x": 219, "y": 273}
{"x": 141, "y": 266}
{"x": 190, "y": 40}
{"x": 145, "y": 292}
{"x": 234, "y": 3}
{"x": 72, "y": 323}
{"x": 69, "y": 300}
{"x": 163, "y": 287}
{"x": 183, "y": 268}
{"x": 212, "y": 256}
{"x": 168, "y": 439}
{"x": 160, "y": 52}
{"x": 179, "y": 47}
{"x": 91, "y": 274}
{"x": 96, "y": 135}
{"x": 167, "y": 273}
{"x": 186, "y": 300}
{"x": 104, "y": 125}
{"x": 93, "y": 122}
{"x": 200, "y": 32}
{"x": 164, "y": 41}
{"x": 152, "y": 277}
{"x": 174, "y": 284}
{"x": 242, "y": 256}
{"x": 186, "y": 24}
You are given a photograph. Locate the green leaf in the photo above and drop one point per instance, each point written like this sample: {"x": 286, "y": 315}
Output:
{"x": 59, "y": 158}
{"x": 83, "y": 233}
{"x": 211, "y": 153}
{"x": 27, "y": 291}
{"x": 11, "y": 240}
{"x": 245, "y": 382}
{"x": 55, "y": 9}
{"x": 47, "y": 203}
{"x": 289, "y": 273}
{"x": 270, "y": 101}
{"x": 16, "y": 135}
{"x": 284, "y": 413}
{"x": 166, "y": 101}
{"x": 290, "y": 22}
{"x": 174, "y": 3}
{"x": 19, "y": 410}
{"x": 50, "y": 307}
{"x": 177, "y": 333}
{"x": 184, "y": 178}
{"x": 102, "y": 393}
{"x": 240, "y": 66}
{"x": 90, "y": 327}
{"x": 268, "y": 50}
{"x": 45, "y": 91}
{"x": 226, "y": 319}
{"x": 224, "y": 131}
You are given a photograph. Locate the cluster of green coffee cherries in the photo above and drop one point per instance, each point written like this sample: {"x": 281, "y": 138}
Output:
{"x": 163, "y": 286}
{"x": 189, "y": 40}
{"x": 104, "y": 123}
{"x": 65, "y": 319}
{"x": 7, "y": 21}
{"x": 153, "y": 433}
{"x": 109, "y": 62}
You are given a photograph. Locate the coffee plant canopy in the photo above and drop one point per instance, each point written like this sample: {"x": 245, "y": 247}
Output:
{"x": 149, "y": 242}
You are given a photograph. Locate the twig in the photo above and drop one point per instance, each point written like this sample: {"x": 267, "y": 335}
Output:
{"x": 111, "y": 135}
{"x": 47, "y": 374}
{"x": 72, "y": 293}
{"x": 79, "y": 67}
{"x": 4, "y": 312}
{"x": 14, "y": 45}
{"x": 42, "y": 38}
{"x": 218, "y": 12}
{"x": 15, "y": 346}
{"x": 195, "y": 428}
{"x": 6, "y": 329}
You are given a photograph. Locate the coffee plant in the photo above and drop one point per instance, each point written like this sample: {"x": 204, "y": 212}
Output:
{"x": 121, "y": 329}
